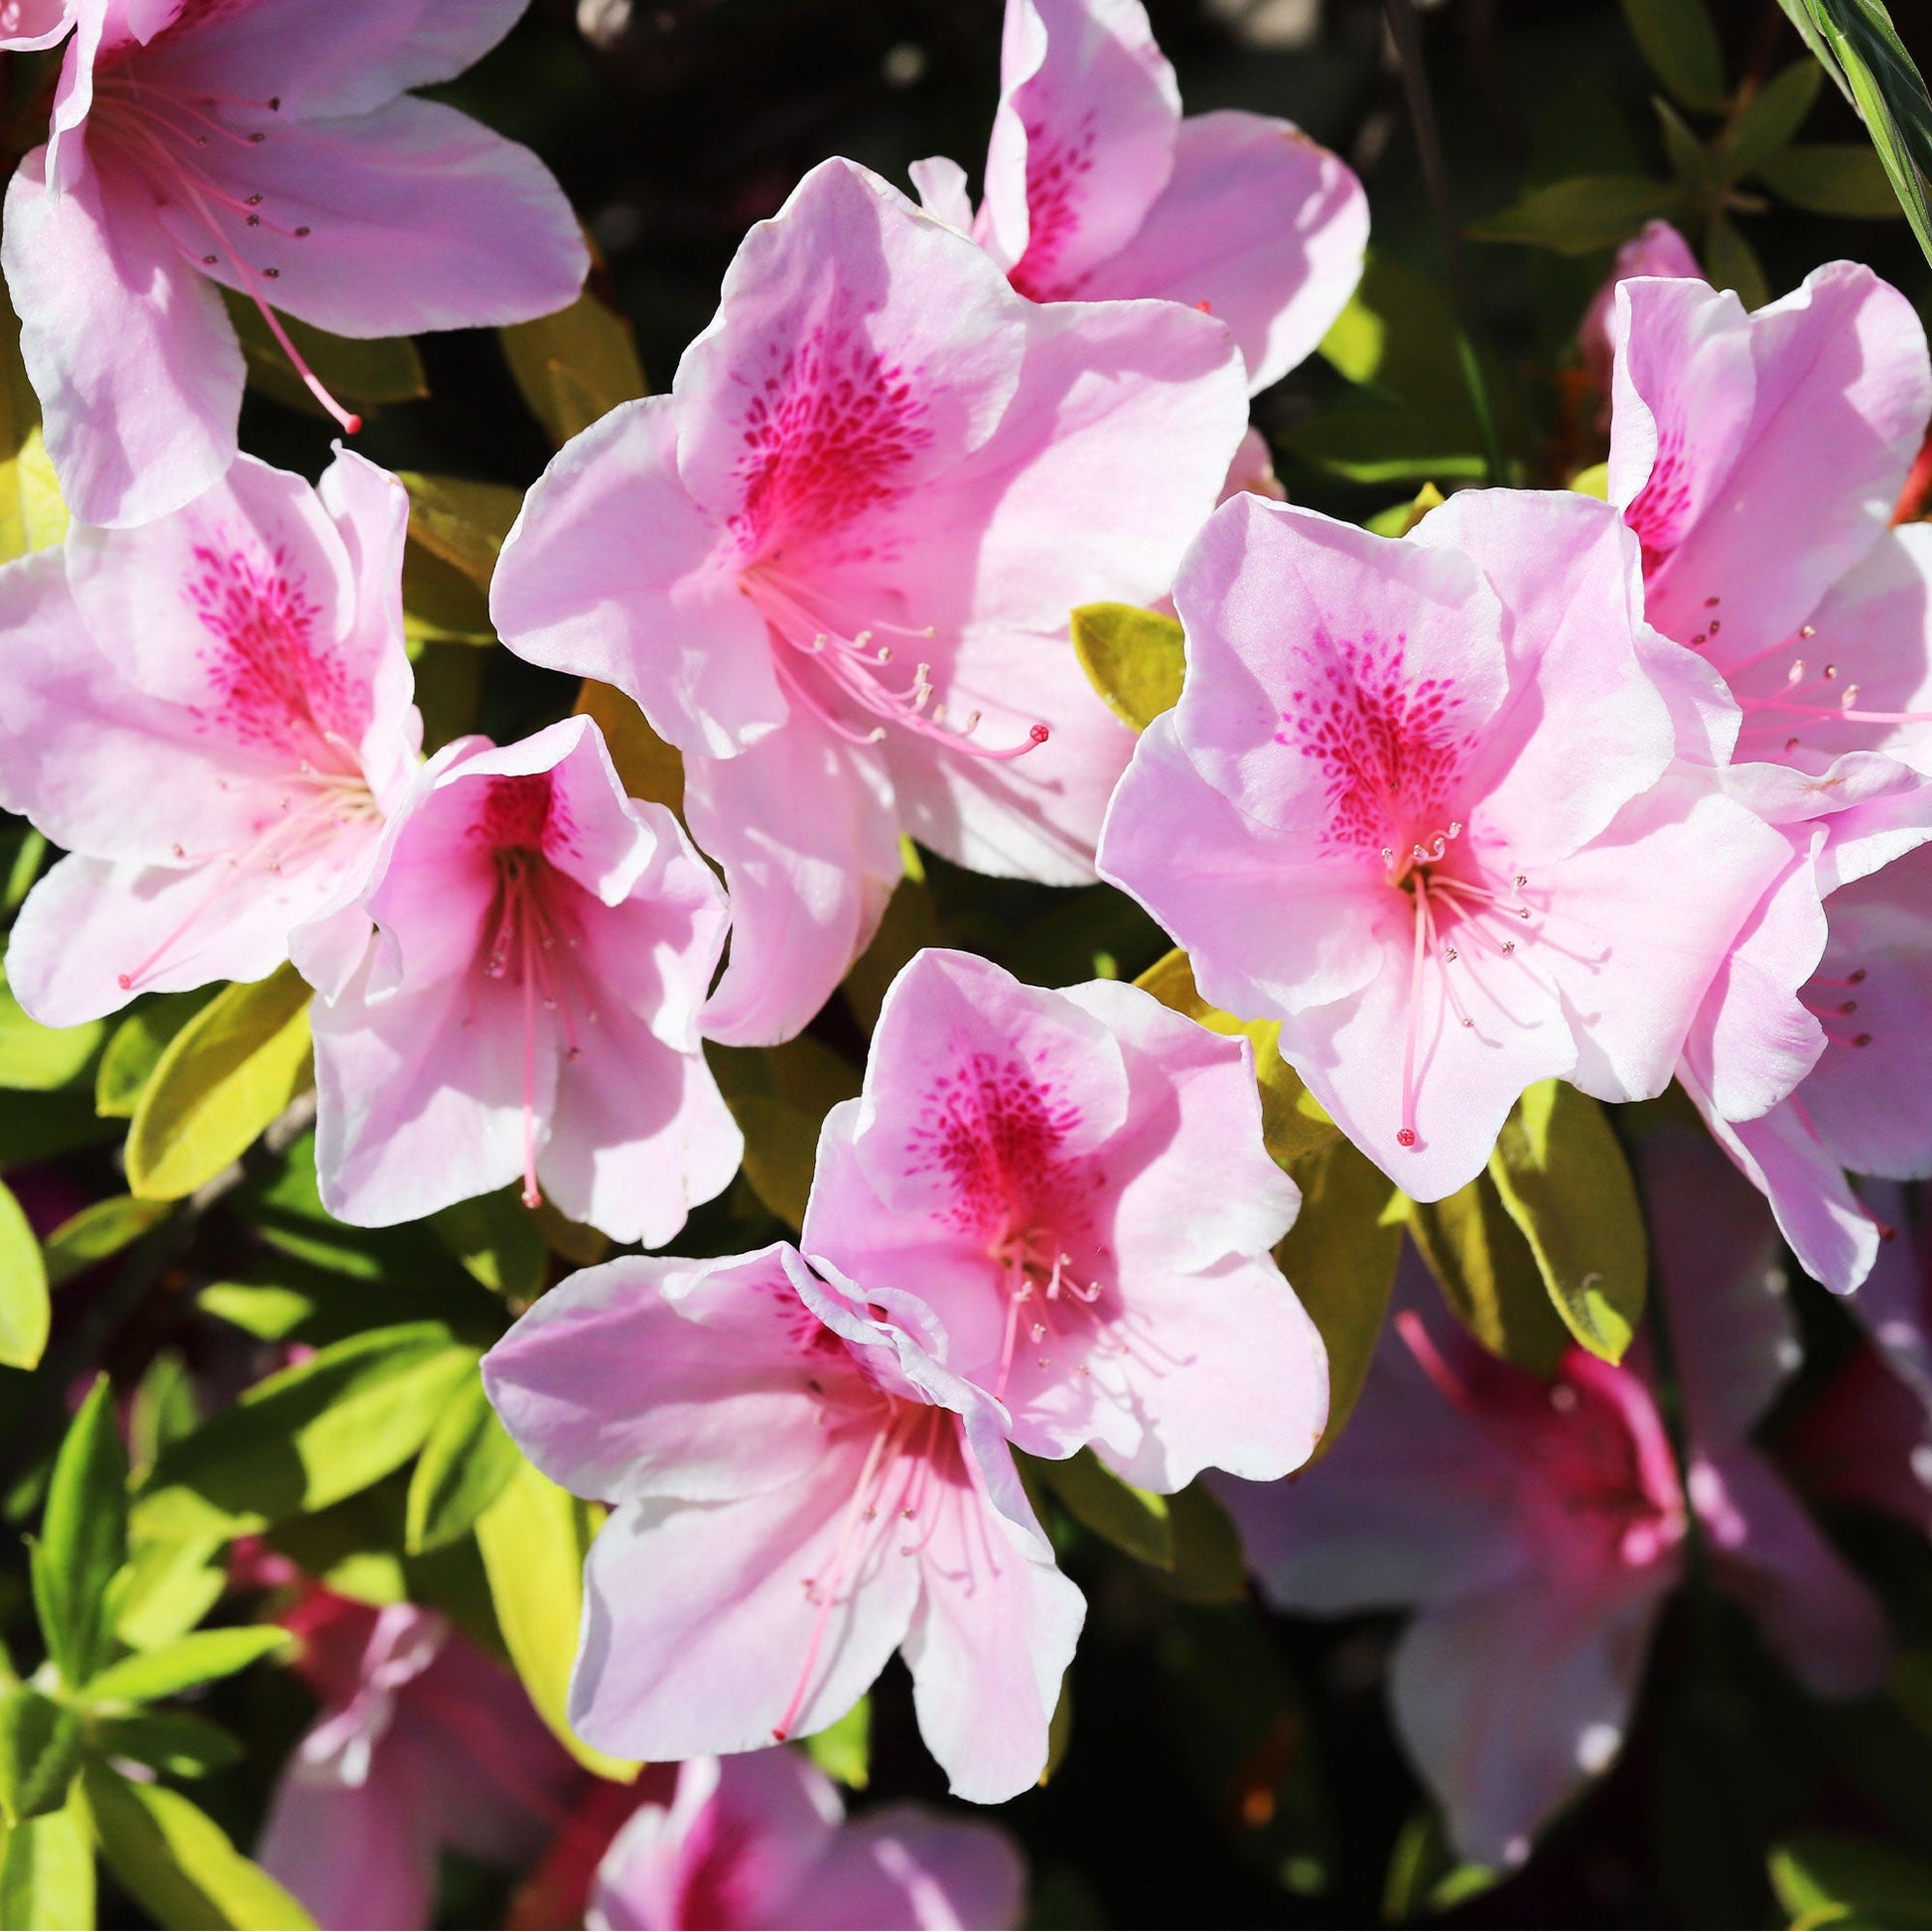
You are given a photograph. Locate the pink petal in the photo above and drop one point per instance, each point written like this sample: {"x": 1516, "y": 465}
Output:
{"x": 29, "y": 24}
{"x": 1259, "y": 225}
{"x": 127, "y": 346}
{"x": 908, "y": 1865}
{"x": 357, "y": 1856}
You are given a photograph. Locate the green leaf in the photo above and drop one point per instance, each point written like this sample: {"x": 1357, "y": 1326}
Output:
{"x": 222, "y": 1079}
{"x": 25, "y": 1312}
{"x": 1488, "y": 1275}
{"x": 649, "y": 767}
{"x": 178, "y": 1863}
{"x": 466, "y": 1465}
{"x": 56, "y": 1124}
{"x": 533, "y": 1539}
{"x": 1374, "y": 445}
{"x": 1425, "y": 1878}
{"x": 780, "y": 1096}
{"x": 47, "y": 1871}
{"x": 575, "y": 365}
{"x": 170, "y": 1583}
{"x": 1294, "y": 1123}
{"x": 1732, "y": 263}
{"x": 1208, "y": 1566}
{"x": 360, "y": 374}
{"x": 496, "y": 1242}
{"x": 99, "y": 1232}
{"x": 1857, "y": 46}
{"x": 1132, "y": 658}
{"x": 83, "y": 1537}
{"x": 197, "y": 1658}
{"x": 35, "y": 1058}
{"x": 1131, "y": 1519}
{"x": 1679, "y": 42}
{"x": 1341, "y": 1258}
{"x": 175, "y": 1742}
{"x": 911, "y": 923}
{"x": 40, "y": 1751}
{"x": 135, "y": 1048}
{"x": 462, "y": 523}
{"x": 32, "y": 514}
{"x": 1564, "y": 1182}
{"x": 1830, "y": 1879}
{"x": 1832, "y": 178}
{"x": 1397, "y": 335}
{"x": 311, "y": 1435}
{"x": 163, "y": 1411}
{"x": 843, "y": 1750}
{"x": 1582, "y": 214}
{"x": 1771, "y": 121}
{"x": 1400, "y": 519}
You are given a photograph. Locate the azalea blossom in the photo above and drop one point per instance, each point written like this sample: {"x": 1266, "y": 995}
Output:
{"x": 423, "y": 1744}
{"x": 1656, "y": 249}
{"x": 762, "y": 1840}
{"x": 268, "y": 147}
{"x": 213, "y": 715}
{"x": 1537, "y": 1528}
{"x": 529, "y": 958}
{"x": 1076, "y": 1183}
{"x": 1097, "y": 189}
{"x": 834, "y": 566}
{"x": 1421, "y": 802}
{"x": 823, "y": 1490}
{"x": 29, "y": 24}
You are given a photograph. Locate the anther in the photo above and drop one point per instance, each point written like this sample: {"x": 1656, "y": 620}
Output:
{"x": 1860, "y": 1039}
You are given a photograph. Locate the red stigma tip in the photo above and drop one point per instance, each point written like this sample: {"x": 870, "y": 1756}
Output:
{"x": 1205, "y": 308}
{"x": 124, "y": 981}
{"x": 1886, "y": 1232}
{"x": 353, "y": 424}
{"x": 1040, "y": 735}
{"x": 532, "y": 1199}
{"x": 1405, "y": 1136}
{"x": 779, "y": 1733}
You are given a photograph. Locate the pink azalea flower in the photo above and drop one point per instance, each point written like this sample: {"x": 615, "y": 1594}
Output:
{"x": 29, "y": 24}
{"x": 213, "y": 715}
{"x": 1422, "y": 802}
{"x": 799, "y": 1488}
{"x": 1076, "y": 1183}
{"x": 762, "y": 1841}
{"x": 1097, "y": 189}
{"x": 1657, "y": 249}
{"x": 1853, "y": 1081}
{"x": 527, "y": 1002}
{"x": 1536, "y": 1529}
{"x": 834, "y": 566}
{"x": 423, "y": 1744}
{"x": 268, "y": 146}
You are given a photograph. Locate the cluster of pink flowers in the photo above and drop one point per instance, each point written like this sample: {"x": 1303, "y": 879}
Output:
{"x": 1616, "y": 793}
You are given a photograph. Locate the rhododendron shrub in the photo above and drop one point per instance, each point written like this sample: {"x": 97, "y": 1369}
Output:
{"x": 900, "y": 1042}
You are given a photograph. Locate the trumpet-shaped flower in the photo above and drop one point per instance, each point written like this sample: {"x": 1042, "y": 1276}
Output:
{"x": 530, "y": 953}
{"x": 834, "y": 566}
{"x": 823, "y": 1492}
{"x": 1097, "y": 189}
{"x": 1422, "y": 802}
{"x": 213, "y": 715}
{"x": 29, "y": 24}
{"x": 1076, "y": 1183}
{"x": 267, "y": 146}
{"x": 762, "y": 1840}
{"x": 423, "y": 1744}
{"x": 1537, "y": 1528}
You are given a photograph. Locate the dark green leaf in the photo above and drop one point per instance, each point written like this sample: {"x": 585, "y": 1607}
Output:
{"x": 314, "y": 1434}
{"x": 1679, "y": 42}
{"x": 496, "y": 1242}
{"x": 221, "y": 1080}
{"x": 1564, "y": 1182}
{"x": 25, "y": 1312}
{"x": 780, "y": 1096}
{"x": 1132, "y": 658}
{"x": 576, "y": 365}
{"x": 1391, "y": 445}
{"x": 98, "y": 1233}
{"x": 1209, "y": 1567}
{"x": 360, "y": 374}
{"x": 135, "y": 1048}
{"x": 466, "y": 1465}
{"x": 83, "y": 1537}
{"x": 175, "y": 1742}
{"x": 1771, "y": 120}
{"x": 649, "y": 767}
{"x": 911, "y": 923}
{"x": 1488, "y": 1275}
{"x": 1131, "y": 1519}
{"x": 1832, "y": 178}
{"x": 178, "y": 1864}
{"x": 1585, "y": 212}
{"x": 1732, "y": 263}
{"x": 196, "y": 1659}
{"x": 40, "y": 1751}
{"x": 163, "y": 1411}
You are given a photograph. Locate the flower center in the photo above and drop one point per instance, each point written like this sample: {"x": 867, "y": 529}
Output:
{"x": 165, "y": 134}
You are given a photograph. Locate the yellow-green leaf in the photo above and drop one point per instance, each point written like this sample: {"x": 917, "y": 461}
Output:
{"x": 462, "y": 523}
{"x": 98, "y": 1233}
{"x": 32, "y": 514}
{"x": 1488, "y": 1275}
{"x": 1832, "y": 1878}
{"x": 360, "y": 374}
{"x": 533, "y": 1539}
{"x": 221, "y": 1080}
{"x": 1131, "y": 1519}
{"x": 498, "y": 1243}
{"x": 1340, "y": 1258}
{"x": 843, "y": 1750}
{"x": 468, "y": 1462}
{"x": 649, "y": 767}
{"x": 1582, "y": 214}
{"x": 178, "y": 1864}
{"x": 46, "y": 1871}
{"x": 1838, "y": 178}
{"x": 39, "y": 1058}
{"x": 40, "y": 1751}
{"x": 1294, "y": 1123}
{"x": 779, "y": 1097}
{"x": 1564, "y": 1182}
{"x": 1132, "y": 658}
{"x": 1593, "y": 482}
{"x": 575, "y": 365}
{"x": 135, "y": 1048}
{"x": 911, "y": 923}
{"x": 25, "y": 1312}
